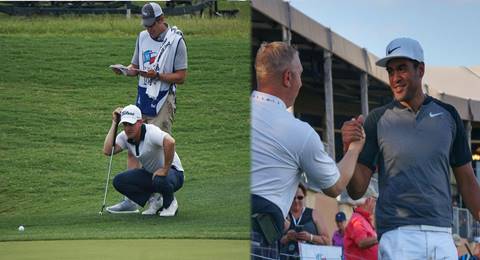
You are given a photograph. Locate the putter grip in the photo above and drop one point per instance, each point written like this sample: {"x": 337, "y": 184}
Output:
{"x": 115, "y": 129}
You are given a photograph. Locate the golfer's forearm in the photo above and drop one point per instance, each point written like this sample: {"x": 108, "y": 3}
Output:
{"x": 346, "y": 168}
{"x": 359, "y": 182}
{"x": 468, "y": 187}
{"x": 471, "y": 197}
{"x": 169, "y": 152}
{"x": 108, "y": 143}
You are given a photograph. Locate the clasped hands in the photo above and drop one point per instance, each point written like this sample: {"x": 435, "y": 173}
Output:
{"x": 353, "y": 135}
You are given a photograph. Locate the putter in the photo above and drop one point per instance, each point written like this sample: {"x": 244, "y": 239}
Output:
{"x": 468, "y": 249}
{"x": 109, "y": 166}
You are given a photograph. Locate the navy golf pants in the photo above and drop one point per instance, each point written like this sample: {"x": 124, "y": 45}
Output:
{"x": 138, "y": 186}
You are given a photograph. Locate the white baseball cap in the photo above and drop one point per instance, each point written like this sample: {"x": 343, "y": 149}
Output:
{"x": 130, "y": 114}
{"x": 402, "y": 48}
{"x": 150, "y": 12}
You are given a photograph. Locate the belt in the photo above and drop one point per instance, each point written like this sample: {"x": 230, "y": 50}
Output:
{"x": 426, "y": 228}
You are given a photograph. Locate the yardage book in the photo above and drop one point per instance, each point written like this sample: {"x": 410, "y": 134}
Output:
{"x": 124, "y": 69}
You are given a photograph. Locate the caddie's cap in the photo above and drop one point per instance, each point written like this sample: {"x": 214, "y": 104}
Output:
{"x": 402, "y": 48}
{"x": 150, "y": 12}
{"x": 130, "y": 114}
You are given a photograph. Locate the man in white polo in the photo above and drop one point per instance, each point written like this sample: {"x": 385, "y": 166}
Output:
{"x": 282, "y": 147}
{"x": 162, "y": 172}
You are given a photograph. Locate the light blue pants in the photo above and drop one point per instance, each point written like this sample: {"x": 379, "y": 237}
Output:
{"x": 417, "y": 243}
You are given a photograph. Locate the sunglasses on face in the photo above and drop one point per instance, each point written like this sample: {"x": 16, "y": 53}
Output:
{"x": 299, "y": 197}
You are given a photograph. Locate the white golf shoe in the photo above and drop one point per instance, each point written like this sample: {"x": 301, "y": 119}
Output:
{"x": 171, "y": 210}
{"x": 155, "y": 202}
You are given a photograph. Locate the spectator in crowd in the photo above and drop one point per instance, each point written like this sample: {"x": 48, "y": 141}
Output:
{"x": 341, "y": 221}
{"x": 304, "y": 225}
{"x": 360, "y": 239}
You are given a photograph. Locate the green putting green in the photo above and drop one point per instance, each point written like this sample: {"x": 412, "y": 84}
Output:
{"x": 142, "y": 249}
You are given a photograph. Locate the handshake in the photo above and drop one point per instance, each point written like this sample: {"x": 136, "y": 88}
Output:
{"x": 353, "y": 135}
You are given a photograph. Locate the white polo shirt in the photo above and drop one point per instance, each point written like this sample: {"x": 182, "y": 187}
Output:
{"x": 150, "y": 151}
{"x": 282, "y": 147}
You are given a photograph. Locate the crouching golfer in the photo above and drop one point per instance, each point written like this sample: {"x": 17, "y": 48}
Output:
{"x": 162, "y": 172}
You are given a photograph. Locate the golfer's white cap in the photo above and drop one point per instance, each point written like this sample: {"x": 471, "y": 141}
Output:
{"x": 130, "y": 114}
{"x": 150, "y": 12}
{"x": 402, "y": 48}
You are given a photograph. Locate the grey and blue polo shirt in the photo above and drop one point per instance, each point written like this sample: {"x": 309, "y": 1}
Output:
{"x": 414, "y": 153}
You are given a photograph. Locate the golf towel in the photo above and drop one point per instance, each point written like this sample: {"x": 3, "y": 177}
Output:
{"x": 164, "y": 61}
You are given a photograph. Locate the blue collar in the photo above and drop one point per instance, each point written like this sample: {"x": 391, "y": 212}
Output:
{"x": 427, "y": 100}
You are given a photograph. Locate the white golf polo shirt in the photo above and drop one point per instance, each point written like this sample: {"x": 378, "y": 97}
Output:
{"x": 282, "y": 147}
{"x": 150, "y": 151}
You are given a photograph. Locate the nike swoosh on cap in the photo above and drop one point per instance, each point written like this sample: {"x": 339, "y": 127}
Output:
{"x": 392, "y": 50}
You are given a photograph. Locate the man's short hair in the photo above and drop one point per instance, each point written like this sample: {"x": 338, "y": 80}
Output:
{"x": 303, "y": 188}
{"x": 273, "y": 58}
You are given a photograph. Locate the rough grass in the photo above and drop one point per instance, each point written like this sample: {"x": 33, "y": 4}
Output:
{"x": 118, "y": 25}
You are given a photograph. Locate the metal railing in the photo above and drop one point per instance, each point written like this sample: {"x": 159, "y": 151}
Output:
{"x": 464, "y": 224}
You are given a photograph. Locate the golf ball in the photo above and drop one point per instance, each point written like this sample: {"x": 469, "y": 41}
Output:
{"x": 21, "y": 228}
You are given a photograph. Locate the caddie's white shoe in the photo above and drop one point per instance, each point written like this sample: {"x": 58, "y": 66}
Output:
{"x": 171, "y": 210}
{"x": 155, "y": 202}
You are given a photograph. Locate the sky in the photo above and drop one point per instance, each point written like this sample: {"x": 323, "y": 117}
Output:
{"x": 448, "y": 30}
